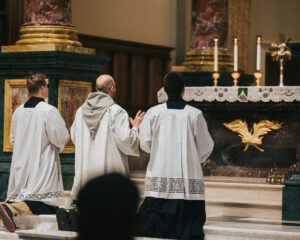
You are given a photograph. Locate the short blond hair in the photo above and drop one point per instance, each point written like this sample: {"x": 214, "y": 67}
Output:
{"x": 35, "y": 81}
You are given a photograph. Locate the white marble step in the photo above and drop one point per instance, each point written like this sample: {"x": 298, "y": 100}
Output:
{"x": 244, "y": 199}
{"x": 5, "y": 235}
{"x": 34, "y": 234}
{"x": 233, "y": 196}
{"x": 250, "y": 229}
{"x": 216, "y": 228}
{"x": 222, "y": 233}
{"x": 39, "y": 234}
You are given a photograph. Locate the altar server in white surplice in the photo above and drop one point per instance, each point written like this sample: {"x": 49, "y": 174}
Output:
{"x": 102, "y": 135}
{"x": 38, "y": 133}
{"x": 177, "y": 138}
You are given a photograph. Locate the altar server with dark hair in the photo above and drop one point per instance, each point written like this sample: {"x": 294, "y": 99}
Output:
{"x": 178, "y": 141}
{"x": 38, "y": 133}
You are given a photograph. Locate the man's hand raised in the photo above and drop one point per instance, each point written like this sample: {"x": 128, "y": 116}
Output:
{"x": 136, "y": 122}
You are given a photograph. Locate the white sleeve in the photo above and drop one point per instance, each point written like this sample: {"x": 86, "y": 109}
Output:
{"x": 56, "y": 129}
{"x": 73, "y": 129}
{"x": 77, "y": 164}
{"x": 127, "y": 139}
{"x": 203, "y": 139}
{"x": 12, "y": 130}
{"x": 145, "y": 133}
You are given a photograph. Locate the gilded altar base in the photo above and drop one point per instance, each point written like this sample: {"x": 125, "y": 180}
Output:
{"x": 48, "y": 48}
{"x": 48, "y": 38}
{"x": 203, "y": 61}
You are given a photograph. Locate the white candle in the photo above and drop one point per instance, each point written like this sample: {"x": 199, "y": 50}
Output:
{"x": 216, "y": 55}
{"x": 235, "y": 55}
{"x": 258, "y": 53}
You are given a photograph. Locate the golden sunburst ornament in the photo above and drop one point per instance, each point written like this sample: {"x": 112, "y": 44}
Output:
{"x": 281, "y": 52}
{"x": 279, "y": 49}
{"x": 255, "y": 136}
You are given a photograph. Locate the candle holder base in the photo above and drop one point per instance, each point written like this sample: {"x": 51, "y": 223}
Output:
{"x": 235, "y": 75}
{"x": 215, "y": 76}
{"x": 258, "y": 75}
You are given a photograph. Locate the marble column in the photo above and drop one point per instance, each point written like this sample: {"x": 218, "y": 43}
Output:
{"x": 52, "y": 12}
{"x": 209, "y": 20}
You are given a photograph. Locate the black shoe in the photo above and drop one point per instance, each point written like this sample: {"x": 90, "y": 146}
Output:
{"x": 62, "y": 217}
{"x": 74, "y": 220}
{"x": 7, "y": 218}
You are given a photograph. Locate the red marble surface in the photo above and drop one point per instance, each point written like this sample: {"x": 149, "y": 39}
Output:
{"x": 53, "y": 12}
{"x": 209, "y": 20}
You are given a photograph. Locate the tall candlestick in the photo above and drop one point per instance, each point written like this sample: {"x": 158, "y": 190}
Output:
{"x": 216, "y": 55}
{"x": 258, "y": 53}
{"x": 235, "y": 55}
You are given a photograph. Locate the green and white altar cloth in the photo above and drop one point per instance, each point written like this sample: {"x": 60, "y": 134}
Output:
{"x": 238, "y": 94}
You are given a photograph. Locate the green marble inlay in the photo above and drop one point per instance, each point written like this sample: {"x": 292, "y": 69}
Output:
{"x": 290, "y": 198}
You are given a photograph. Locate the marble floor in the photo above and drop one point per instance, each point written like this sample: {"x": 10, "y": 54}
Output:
{"x": 236, "y": 228}
{"x": 216, "y": 228}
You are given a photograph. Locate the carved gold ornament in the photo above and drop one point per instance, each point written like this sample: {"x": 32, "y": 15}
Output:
{"x": 254, "y": 137}
{"x": 279, "y": 48}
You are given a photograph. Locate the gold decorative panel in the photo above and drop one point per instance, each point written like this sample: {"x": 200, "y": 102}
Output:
{"x": 15, "y": 94}
{"x": 71, "y": 95}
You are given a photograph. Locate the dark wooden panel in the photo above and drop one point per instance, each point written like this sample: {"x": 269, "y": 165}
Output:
{"x": 125, "y": 46}
{"x": 136, "y": 67}
{"x": 121, "y": 73}
{"x": 291, "y": 72}
{"x": 156, "y": 69}
{"x": 16, "y": 17}
{"x": 3, "y": 30}
{"x": 12, "y": 16}
{"x": 139, "y": 78}
{"x": 109, "y": 66}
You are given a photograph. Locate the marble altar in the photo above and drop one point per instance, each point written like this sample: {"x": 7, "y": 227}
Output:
{"x": 251, "y": 104}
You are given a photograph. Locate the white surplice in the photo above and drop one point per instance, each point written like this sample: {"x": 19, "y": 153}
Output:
{"x": 38, "y": 135}
{"x": 178, "y": 142}
{"x": 108, "y": 152}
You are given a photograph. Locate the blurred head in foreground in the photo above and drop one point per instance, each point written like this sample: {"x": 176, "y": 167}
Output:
{"x": 107, "y": 208}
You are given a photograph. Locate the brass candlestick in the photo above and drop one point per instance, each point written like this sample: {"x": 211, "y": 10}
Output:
{"x": 281, "y": 84}
{"x": 215, "y": 76}
{"x": 235, "y": 75}
{"x": 258, "y": 75}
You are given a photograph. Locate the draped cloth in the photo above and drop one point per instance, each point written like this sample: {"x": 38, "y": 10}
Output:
{"x": 93, "y": 110}
{"x": 178, "y": 142}
{"x": 108, "y": 151}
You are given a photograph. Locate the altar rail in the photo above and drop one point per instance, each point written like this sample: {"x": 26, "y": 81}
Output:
{"x": 136, "y": 67}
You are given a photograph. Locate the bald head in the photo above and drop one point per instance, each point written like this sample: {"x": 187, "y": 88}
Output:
{"x": 105, "y": 83}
